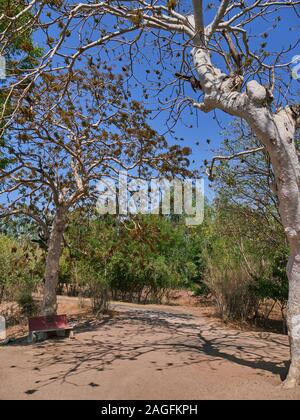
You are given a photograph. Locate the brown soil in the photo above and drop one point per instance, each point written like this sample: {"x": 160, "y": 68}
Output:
{"x": 146, "y": 352}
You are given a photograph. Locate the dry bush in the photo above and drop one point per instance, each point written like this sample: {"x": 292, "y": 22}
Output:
{"x": 232, "y": 292}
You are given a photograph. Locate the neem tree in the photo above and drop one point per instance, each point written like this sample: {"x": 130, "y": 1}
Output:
{"x": 56, "y": 156}
{"x": 215, "y": 46}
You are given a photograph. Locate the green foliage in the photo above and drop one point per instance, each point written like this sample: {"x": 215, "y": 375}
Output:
{"x": 274, "y": 287}
{"x": 27, "y": 304}
{"x": 138, "y": 260}
{"x": 95, "y": 284}
{"x": 20, "y": 266}
{"x": 245, "y": 261}
{"x": 248, "y": 219}
{"x": 20, "y": 43}
{"x": 235, "y": 256}
{"x": 224, "y": 275}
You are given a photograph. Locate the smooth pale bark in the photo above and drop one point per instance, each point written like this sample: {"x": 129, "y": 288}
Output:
{"x": 276, "y": 131}
{"x": 277, "y": 134}
{"x": 52, "y": 262}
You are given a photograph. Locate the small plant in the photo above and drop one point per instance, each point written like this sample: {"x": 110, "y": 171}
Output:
{"x": 27, "y": 304}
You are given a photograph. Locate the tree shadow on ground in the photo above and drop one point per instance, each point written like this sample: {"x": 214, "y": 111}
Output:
{"x": 132, "y": 335}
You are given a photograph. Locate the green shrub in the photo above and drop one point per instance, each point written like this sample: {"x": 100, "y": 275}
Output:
{"x": 93, "y": 284}
{"x": 141, "y": 259}
{"x": 20, "y": 267}
{"x": 245, "y": 263}
{"x": 27, "y": 304}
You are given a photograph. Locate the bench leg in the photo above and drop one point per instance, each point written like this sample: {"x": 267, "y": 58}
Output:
{"x": 41, "y": 336}
{"x": 31, "y": 338}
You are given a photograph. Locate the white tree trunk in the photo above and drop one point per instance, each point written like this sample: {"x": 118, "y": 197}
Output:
{"x": 52, "y": 263}
{"x": 293, "y": 320}
{"x": 276, "y": 131}
{"x": 277, "y": 134}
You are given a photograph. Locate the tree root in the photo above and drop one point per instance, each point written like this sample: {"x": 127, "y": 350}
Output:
{"x": 289, "y": 384}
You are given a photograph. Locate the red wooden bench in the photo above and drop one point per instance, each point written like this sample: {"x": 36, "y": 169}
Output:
{"x": 41, "y": 327}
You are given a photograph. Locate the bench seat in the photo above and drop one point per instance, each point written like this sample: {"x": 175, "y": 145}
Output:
{"x": 39, "y": 327}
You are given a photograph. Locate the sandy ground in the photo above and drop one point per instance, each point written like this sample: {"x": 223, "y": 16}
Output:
{"x": 147, "y": 352}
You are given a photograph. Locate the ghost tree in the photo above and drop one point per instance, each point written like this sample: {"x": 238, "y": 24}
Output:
{"x": 211, "y": 45}
{"x": 56, "y": 157}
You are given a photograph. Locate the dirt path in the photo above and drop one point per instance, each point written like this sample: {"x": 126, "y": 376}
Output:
{"x": 148, "y": 353}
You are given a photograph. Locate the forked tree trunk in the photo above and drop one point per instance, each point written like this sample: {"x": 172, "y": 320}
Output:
{"x": 52, "y": 262}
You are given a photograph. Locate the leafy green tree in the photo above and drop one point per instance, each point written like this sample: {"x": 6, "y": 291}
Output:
{"x": 164, "y": 254}
{"x": 20, "y": 267}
